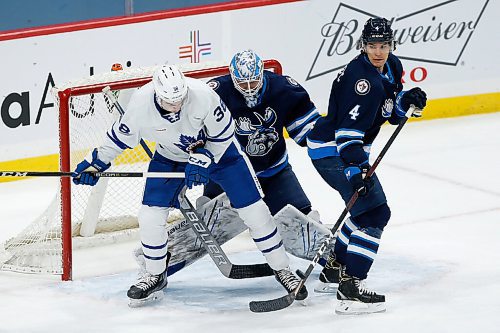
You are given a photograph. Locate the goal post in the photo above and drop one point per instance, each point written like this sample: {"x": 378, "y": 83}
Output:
{"x": 47, "y": 244}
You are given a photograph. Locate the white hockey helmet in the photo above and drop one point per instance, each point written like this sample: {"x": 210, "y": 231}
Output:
{"x": 170, "y": 87}
{"x": 247, "y": 72}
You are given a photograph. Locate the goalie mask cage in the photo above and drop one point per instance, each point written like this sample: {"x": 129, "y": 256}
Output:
{"x": 85, "y": 216}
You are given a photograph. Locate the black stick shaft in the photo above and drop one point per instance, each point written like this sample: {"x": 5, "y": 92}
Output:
{"x": 287, "y": 300}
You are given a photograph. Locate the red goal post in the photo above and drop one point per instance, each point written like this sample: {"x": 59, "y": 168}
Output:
{"x": 84, "y": 116}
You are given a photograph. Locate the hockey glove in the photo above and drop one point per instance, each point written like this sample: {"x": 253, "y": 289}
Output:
{"x": 415, "y": 96}
{"x": 83, "y": 174}
{"x": 197, "y": 172}
{"x": 356, "y": 175}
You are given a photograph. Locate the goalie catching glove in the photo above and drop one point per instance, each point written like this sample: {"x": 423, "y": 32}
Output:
{"x": 197, "y": 170}
{"x": 83, "y": 174}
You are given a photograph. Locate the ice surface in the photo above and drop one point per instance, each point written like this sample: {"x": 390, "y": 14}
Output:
{"x": 438, "y": 264}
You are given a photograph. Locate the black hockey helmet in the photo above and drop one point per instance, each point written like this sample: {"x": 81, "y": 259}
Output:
{"x": 377, "y": 29}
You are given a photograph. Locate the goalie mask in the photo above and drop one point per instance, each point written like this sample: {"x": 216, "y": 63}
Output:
{"x": 377, "y": 30}
{"x": 247, "y": 72}
{"x": 170, "y": 87}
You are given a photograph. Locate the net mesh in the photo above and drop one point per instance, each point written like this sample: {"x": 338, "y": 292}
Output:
{"x": 105, "y": 213}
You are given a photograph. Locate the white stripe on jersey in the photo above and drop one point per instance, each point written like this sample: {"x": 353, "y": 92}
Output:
{"x": 315, "y": 144}
{"x": 302, "y": 120}
{"x": 348, "y": 133}
{"x": 304, "y": 132}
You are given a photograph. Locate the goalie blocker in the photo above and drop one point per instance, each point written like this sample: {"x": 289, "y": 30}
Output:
{"x": 301, "y": 235}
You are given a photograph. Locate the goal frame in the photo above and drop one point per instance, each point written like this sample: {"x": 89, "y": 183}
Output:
{"x": 65, "y": 149}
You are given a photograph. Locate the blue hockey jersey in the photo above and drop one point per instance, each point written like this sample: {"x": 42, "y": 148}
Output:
{"x": 283, "y": 103}
{"x": 361, "y": 100}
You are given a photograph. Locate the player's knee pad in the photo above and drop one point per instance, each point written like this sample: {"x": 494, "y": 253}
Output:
{"x": 376, "y": 218}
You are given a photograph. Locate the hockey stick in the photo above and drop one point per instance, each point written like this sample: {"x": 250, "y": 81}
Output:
{"x": 97, "y": 174}
{"x": 107, "y": 92}
{"x": 213, "y": 248}
{"x": 287, "y": 300}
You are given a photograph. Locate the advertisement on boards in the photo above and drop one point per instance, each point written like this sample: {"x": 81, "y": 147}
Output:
{"x": 446, "y": 48}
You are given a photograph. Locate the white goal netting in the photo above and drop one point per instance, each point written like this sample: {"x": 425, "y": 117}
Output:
{"x": 107, "y": 212}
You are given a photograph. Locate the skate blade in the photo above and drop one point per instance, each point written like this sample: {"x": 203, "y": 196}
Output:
{"x": 346, "y": 307}
{"x": 326, "y": 288}
{"x": 154, "y": 297}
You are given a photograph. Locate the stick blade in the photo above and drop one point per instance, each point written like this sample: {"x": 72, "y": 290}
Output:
{"x": 272, "y": 304}
{"x": 250, "y": 271}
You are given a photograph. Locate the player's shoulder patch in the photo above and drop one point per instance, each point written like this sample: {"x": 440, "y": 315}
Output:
{"x": 213, "y": 84}
{"x": 362, "y": 87}
{"x": 292, "y": 81}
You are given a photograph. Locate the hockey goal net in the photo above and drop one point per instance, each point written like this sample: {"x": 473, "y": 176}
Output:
{"x": 84, "y": 216}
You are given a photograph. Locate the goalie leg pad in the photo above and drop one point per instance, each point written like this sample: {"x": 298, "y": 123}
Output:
{"x": 302, "y": 235}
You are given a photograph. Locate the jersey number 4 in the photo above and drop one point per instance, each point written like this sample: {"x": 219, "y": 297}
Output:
{"x": 354, "y": 112}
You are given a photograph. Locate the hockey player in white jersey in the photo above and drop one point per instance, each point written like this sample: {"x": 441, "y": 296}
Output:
{"x": 194, "y": 134}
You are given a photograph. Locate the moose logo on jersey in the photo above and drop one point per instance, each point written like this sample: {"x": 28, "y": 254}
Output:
{"x": 262, "y": 136}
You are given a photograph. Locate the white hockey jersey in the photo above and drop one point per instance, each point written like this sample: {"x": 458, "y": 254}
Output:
{"x": 203, "y": 116}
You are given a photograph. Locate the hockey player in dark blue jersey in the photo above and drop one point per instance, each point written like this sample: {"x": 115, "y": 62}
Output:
{"x": 262, "y": 104}
{"x": 366, "y": 93}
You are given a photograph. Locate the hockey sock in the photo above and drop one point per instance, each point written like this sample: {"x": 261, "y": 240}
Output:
{"x": 154, "y": 237}
{"x": 342, "y": 241}
{"x": 361, "y": 251}
{"x": 265, "y": 234}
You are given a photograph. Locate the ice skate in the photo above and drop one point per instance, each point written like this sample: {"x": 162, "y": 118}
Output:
{"x": 354, "y": 298}
{"x": 329, "y": 277}
{"x": 148, "y": 289}
{"x": 290, "y": 281}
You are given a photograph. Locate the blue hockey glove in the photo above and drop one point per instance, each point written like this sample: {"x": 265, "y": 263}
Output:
{"x": 356, "y": 175}
{"x": 415, "y": 96}
{"x": 83, "y": 172}
{"x": 197, "y": 172}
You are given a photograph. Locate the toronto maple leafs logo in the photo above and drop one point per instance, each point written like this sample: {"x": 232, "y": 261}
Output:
{"x": 262, "y": 136}
{"x": 190, "y": 143}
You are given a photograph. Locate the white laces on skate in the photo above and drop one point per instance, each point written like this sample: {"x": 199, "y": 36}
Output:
{"x": 361, "y": 284}
{"x": 288, "y": 279}
{"x": 147, "y": 281}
